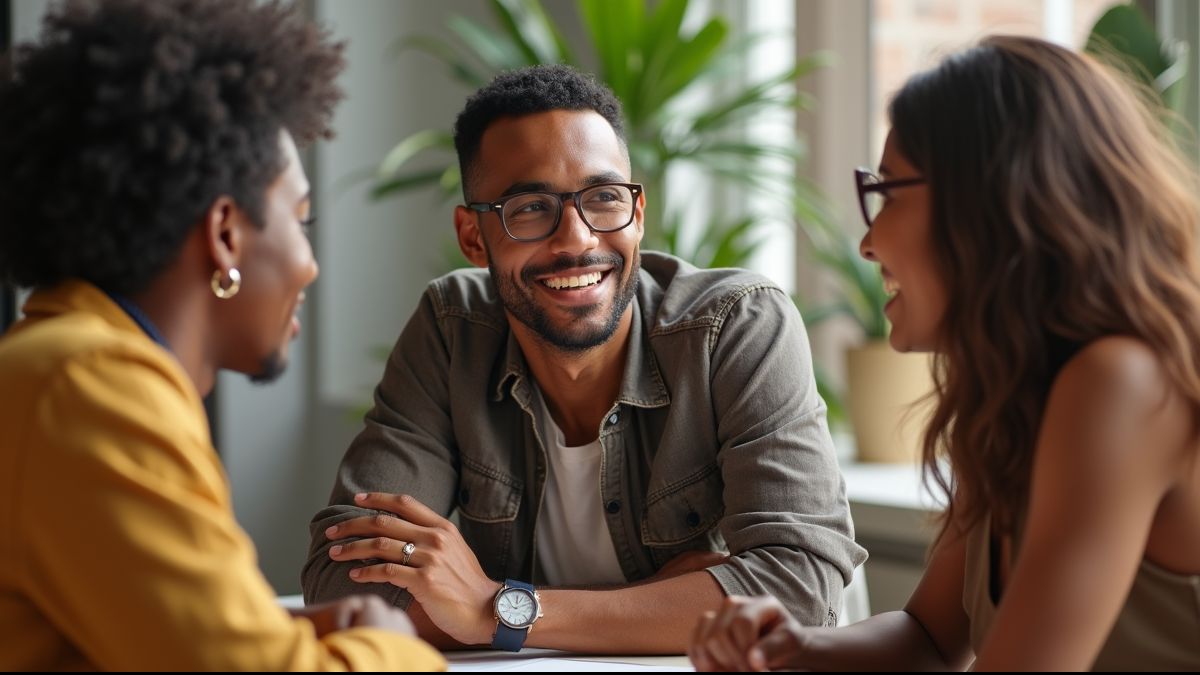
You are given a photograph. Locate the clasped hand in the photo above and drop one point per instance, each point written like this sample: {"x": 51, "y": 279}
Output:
{"x": 748, "y": 634}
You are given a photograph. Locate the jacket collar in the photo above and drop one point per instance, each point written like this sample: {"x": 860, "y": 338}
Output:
{"x": 75, "y": 295}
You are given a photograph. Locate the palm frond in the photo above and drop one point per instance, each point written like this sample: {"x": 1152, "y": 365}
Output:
{"x": 460, "y": 68}
{"x": 404, "y": 182}
{"x": 533, "y": 32}
{"x": 495, "y": 49}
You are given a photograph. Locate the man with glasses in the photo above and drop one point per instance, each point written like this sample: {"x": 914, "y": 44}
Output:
{"x": 637, "y": 437}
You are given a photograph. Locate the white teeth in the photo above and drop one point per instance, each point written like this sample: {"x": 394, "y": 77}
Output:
{"x": 559, "y": 283}
{"x": 891, "y": 286}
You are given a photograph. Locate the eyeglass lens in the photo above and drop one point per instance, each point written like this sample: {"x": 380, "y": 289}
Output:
{"x": 604, "y": 207}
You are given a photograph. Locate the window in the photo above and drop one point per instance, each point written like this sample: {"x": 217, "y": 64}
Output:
{"x": 910, "y": 35}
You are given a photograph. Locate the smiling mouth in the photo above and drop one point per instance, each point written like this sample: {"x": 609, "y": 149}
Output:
{"x": 573, "y": 282}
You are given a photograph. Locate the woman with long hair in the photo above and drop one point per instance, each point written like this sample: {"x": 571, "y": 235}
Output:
{"x": 154, "y": 201}
{"x": 1036, "y": 231}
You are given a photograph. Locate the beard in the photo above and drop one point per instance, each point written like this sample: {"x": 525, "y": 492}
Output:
{"x": 580, "y": 335}
{"x": 270, "y": 369}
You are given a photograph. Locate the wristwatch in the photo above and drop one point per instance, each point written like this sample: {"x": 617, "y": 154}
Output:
{"x": 517, "y": 607}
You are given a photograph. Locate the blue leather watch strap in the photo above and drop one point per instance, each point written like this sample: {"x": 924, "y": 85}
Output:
{"x": 513, "y": 583}
{"x": 507, "y": 638}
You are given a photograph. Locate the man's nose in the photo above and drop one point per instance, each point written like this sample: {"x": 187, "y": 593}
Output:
{"x": 572, "y": 234}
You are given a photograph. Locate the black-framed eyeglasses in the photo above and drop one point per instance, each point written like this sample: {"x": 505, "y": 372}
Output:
{"x": 872, "y": 191}
{"x": 533, "y": 216}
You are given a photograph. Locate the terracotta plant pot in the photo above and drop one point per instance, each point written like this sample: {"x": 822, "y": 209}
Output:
{"x": 887, "y": 412}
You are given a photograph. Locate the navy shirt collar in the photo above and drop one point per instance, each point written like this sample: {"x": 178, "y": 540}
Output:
{"x": 139, "y": 317}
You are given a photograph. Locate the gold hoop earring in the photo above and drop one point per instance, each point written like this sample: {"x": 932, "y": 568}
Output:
{"x": 235, "y": 284}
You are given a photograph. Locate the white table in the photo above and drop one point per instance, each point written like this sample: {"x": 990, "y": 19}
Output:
{"x": 553, "y": 661}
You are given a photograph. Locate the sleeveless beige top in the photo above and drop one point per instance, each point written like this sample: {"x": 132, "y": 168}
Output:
{"x": 1157, "y": 629}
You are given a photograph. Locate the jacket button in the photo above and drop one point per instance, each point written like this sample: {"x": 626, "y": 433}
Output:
{"x": 693, "y": 519}
{"x": 464, "y": 496}
{"x": 612, "y": 419}
{"x": 613, "y": 507}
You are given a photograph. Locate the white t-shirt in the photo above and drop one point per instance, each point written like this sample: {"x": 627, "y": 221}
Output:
{"x": 573, "y": 543}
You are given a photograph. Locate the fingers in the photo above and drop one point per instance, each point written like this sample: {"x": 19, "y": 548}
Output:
{"x": 780, "y": 648}
{"x": 377, "y": 525}
{"x": 385, "y": 533}
{"x": 405, "y": 506}
{"x": 723, "y": 639}
{"x": 698, "y": 646}
{"x": 386, "y": 573}
{"x": 376, "y": 613}
{"x": 714, "y": 645}
{"x": 326, "y": 617}
{"x": 379, "y": 548}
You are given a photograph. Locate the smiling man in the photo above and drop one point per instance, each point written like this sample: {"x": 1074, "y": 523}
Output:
{"x": 634, "y": 436}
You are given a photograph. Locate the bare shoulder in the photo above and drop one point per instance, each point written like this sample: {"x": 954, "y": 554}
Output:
{"x": 1116, "y": 399}
{"x": 1118, "y": 379}
{"x": 1119, "y": 364}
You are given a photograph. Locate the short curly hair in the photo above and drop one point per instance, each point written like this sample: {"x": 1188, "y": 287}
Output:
{"x": 128, "y": 118}
{"x": 526, "y": 91}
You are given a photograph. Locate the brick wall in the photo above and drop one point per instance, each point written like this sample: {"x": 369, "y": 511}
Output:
{"x": 910, "y": 35}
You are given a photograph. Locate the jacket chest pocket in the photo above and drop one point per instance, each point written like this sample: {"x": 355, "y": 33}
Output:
{"x": 684, "y": 516}
{"x": 488, "y": 503}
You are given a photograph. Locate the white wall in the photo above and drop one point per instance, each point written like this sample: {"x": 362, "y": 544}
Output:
{"x": 376, "y": 257}
{"x": 838, "y": 134}
{"x": 26, "y": 24}
{"x": 27, "y": 18}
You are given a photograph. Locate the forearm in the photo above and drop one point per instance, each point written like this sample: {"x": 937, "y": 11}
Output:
{"x": 650, "y": 618}
{"x": 888, "y": 641}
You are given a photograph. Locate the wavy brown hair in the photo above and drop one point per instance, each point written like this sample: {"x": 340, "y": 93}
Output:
{"x": 1061, "y": 213}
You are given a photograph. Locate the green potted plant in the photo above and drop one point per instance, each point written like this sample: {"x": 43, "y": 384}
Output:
{"x": 1124, "y": 37}
{"x": 651, "y": 62}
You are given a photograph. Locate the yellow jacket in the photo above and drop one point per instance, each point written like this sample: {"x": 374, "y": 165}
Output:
{"x": 118, "y": 544}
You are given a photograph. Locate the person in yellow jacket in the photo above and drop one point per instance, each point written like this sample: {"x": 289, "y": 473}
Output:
{"x": 154, "y": 200}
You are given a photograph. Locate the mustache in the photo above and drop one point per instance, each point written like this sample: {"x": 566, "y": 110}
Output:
{"x": 566, "y": 262}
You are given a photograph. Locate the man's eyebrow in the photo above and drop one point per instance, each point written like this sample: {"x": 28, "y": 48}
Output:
{"x": 594, "y": 179}
{"x": 525, "y": 187}
{"x": 605, "y": 177}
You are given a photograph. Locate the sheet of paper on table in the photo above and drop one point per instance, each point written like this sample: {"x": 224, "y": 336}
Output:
{"x": 549, "y": 661}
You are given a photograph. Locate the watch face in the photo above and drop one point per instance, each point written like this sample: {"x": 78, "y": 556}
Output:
{"x": 516, "y": 608}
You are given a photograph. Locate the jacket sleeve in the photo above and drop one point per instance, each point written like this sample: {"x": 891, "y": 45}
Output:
{"x": 787, "y": 521}
{"x": 130, "y": 543}
{"x": 406, "y": 447}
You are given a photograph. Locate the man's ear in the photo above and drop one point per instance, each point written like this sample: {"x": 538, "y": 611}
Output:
{"x": 639, "y": 215}
{"x": 223, "y": 233}
{"x": 470, "y": 237}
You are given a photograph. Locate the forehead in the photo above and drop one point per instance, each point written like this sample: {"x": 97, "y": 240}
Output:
{"x": 291, "y": 182}
{"x": 894, "y": 160}
{"x": 557, "y": 147}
